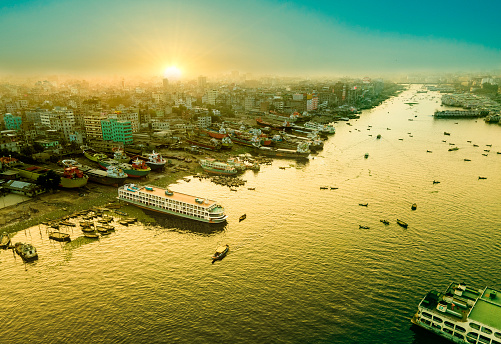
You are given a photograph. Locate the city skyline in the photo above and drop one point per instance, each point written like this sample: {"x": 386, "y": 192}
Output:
{"x": 268, "y": 37}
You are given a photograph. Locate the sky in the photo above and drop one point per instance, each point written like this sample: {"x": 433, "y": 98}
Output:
{"x": 263, "y": 37}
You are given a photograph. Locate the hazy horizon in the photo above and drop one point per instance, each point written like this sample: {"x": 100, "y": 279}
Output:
{"x": 126, "y": 38}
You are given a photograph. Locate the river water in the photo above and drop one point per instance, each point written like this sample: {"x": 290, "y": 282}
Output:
{"x": 300, "y": 270}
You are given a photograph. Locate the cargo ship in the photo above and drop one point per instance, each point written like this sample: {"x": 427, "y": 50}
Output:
{"x": 218, "y": 167}
{"x": 112, "y": 176}
{"x": 136, "y": 169}
{"x": 174, "y": 203}
{"x": 462, "y": 314}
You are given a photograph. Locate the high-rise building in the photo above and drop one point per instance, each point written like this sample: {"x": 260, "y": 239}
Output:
{"x": 12, "y": 122}
{"x": 116, "y": 131}
{"x": 202, "y": 81}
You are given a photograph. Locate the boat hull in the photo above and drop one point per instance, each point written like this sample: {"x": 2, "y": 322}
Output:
{"x": 282, "y": 153}
{"x": 71, "y": 183}
{"x": 168, "y": 212}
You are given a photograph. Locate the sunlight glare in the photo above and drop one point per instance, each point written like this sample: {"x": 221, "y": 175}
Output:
{"x": 172, "y": 73}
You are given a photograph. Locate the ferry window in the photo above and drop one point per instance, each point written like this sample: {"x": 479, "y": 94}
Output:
{"x": 437, "y": 319}
{"x": 428, "y": 315}
{"x": 446, "y": 330}
{"x": 486, "y": 330}
{"x": 458, "y": 335}
{"x": 472, "y": 335}
{"x": 484, "y": 339}
{"x": 470, "y": 340}
{"x": 460, "y": 329}
{"x": 448, "y": 324}
{"x": 475, "y": 326}
{"x": 427, "y": 322}
{"x": 497, "y": 334}
{"x": 436, "y": 326}
{"x": 495, "y": 342}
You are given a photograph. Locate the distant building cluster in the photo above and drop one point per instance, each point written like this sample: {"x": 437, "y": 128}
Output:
{"x": 56, "y": 114}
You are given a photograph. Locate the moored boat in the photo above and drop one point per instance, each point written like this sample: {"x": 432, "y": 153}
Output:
{"x": 220, "y": 253}
{"x": 26, "y": 251}
{"x": 4, "y": 240}
{"x": 462, "y": 314}
{"x": 111, "y": 176}
{"x": 94, "y": 156}
{"x": 72, "y": 177}
{"x": 172, "y": 203}
{"x": 59, "y": 236}
{"x": 242, "y": 217}
{"x": 302, "y": 152}
{"x": 217, "y": 167}
{"x": 155, "y": 161}
{"x": 136, "y": 169}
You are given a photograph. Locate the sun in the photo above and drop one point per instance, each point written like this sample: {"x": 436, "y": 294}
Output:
{"x": 172, "y": 73}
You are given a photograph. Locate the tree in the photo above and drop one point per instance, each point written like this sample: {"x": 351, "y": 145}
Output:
{"x": 38, "y": 147}
{"x": 49, "y": 181}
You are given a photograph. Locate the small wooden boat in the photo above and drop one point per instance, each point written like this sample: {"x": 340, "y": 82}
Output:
{"x": 446, "y": 133}
{"x": 402, "y": 223}
{"x": 386, "y": 222}
{"x": 220, "y": 253}
{"x": 363, "y": 204}
{"x": 120, "y": 212}
{"x": 26, "y": 251}
{"x": 91, "y": 235}
{"x": 363, "y": 227}
{"x": 324, "y": 187}
{"x": 436, "y": 182}
{"x": 334, "y": 188}
{"x": 467, "y": 160}
{"x": 123, "y": 222}
{"x": 251, "y": 188}
{"x": 88, "y": 230}
{"x": 59, "y": 236}
{"x": 67, "y": 223}
{"x": 366, "y": 155}
{"x": 241, "y": 218}
{"x": 4, "y": 240}
{"x": 482, "y": 177}
{"x": 413, "y": 206}
{"x": 428, "y": 151}
{"x": 102, "y": 229}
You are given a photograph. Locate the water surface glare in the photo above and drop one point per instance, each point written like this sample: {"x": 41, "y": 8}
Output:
{"x": 300, "y": 270}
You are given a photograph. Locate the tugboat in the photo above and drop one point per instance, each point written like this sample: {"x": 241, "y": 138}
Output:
{"x": 27, "y": 251}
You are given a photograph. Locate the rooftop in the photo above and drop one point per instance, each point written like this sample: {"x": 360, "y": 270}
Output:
{"x": 487, "y": 310}
{"x": 178, "y": 196}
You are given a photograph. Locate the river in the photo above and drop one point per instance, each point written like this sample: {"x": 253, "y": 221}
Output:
{"x": 300, "y": 269}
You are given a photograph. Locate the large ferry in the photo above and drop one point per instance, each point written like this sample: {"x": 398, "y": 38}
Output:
{"x": 172, "y": 203}
{"x": 462, "y": 314}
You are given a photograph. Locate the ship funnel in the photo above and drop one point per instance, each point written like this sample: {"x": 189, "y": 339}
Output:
{"x": 462, "y": 286}
{"x": 493, "y": 294}
{"x": 442, "y": 306}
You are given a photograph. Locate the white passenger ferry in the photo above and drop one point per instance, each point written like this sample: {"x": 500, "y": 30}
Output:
{"x": 462, "y": 314}
{"x": 172, "y": 203}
